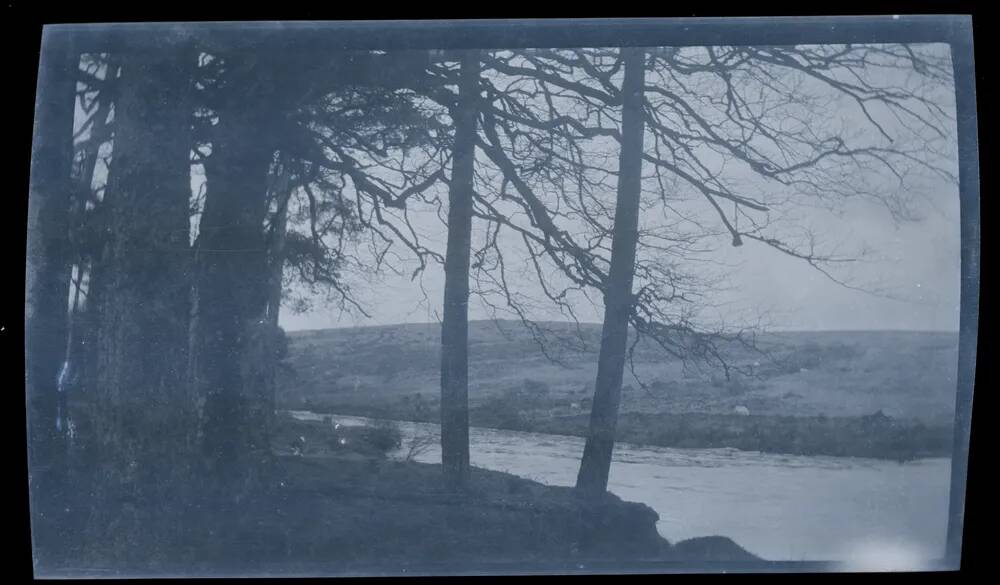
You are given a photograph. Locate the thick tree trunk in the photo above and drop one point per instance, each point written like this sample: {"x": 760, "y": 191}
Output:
{"x": 455, "y": 323}
{"x": 144, "y": 419}
{"x": 232, "y": 292}
{"x": 47, "y": 271}
{"x": 596, "y": 463}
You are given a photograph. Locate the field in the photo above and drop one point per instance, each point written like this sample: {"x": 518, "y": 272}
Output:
{"x": 798, "y": 381}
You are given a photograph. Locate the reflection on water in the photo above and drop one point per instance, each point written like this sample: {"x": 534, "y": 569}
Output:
{"x": 780, "y": 507}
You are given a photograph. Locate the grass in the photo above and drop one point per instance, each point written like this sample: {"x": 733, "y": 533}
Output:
{"x": 809, "y": 392}
{"x": 868, "y": 436}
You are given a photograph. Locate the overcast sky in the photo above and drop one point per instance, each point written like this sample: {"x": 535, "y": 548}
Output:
{"x": 915, "y": 274}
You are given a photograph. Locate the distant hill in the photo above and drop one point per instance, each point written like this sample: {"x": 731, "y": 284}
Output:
{"x": 394, "y": 370}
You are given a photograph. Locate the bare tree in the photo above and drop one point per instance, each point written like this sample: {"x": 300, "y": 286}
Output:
{"x": 749, "y": 128}
{"x": 455, "y": 324}
{"x": 618, "y": 302}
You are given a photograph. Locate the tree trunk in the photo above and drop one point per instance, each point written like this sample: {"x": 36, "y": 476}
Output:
{"x": 596, "y": 463}
{"x": 47, "y": 267}
{"x": 232, "y": 291}
{"x": 144, "y": 419}
{"x": 282, "y": 192}
{"x": 455, "y": 323}
{"x": 81, "y": 335}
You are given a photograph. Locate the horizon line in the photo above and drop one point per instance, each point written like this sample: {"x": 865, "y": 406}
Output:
{"x": 598, "y": 324}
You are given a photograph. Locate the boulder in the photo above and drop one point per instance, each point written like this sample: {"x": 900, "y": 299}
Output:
{"x": 711, "y": 548}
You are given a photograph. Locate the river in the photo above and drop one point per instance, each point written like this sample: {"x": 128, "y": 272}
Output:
{"x": 873, "y": 513}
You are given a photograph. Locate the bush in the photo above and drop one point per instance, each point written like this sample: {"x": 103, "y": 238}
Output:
{"x": 735, "y": 385}
{"x": 812, "y": 355}
{"x": 738, "y": 384}
{"x": 536, "y": 388}
{"x": 280, "y": 343}
{"x": 505, "y": 411}
{"x": 383, "y": 435}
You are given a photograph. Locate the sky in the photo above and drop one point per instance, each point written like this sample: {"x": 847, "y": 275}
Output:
{"x": 911, "y": 283}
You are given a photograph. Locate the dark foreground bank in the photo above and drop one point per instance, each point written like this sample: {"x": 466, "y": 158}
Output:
{"x": 342, "y": 508}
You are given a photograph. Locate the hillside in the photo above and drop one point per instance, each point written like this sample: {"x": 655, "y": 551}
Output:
{"x": 393, "y": 371}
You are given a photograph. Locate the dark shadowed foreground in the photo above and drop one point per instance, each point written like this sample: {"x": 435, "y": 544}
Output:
{"x": 338, "y": 506}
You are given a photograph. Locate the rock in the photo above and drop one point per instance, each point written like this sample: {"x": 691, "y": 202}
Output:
{"x": 711, "y": 548}
{"x": 878, "y": 419}
{"x": 298, "y": 446}
{"x": 613, "y": 528}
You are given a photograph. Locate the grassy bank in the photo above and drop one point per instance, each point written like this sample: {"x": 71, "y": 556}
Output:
{"x": 810, "y": 393}
{"x": 875, "y": 436}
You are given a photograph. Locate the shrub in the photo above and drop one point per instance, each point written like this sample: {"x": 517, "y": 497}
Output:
{"x": 419, "y": 444}
{"x": 738, "y": 384}
{"x": 812, "y": 355}
{"x": 383, "y": 435}
{"x": 501, "y": 411}
{"x": 536, "y": 388}
{"x": 280, "y": 343}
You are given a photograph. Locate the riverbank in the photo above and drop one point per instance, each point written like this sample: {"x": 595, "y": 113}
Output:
{"x": 804, "y": 393}
{"x": 400, "y": 512}
{"x": 875, "y": 436}
{"x": 341, "y": 507}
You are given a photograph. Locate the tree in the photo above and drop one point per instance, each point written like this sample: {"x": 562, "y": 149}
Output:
{"x": 391, "y": 151}
{"x": 268, "y": 98}
{"x": 144, "y": 419}
{"x": 280, "y": 190}
{"x": 232, "y": 269}
{"x": 618, "y": 302}
{"x": 93, "y": 145}
{"x": 762, "y": 129}
{"x": 455, "y": 322}
{"x": 281, "y": 193}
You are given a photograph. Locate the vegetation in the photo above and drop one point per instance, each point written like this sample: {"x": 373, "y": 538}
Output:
{"x": 811, "y": 398}
{"x": 875, "y": 436}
